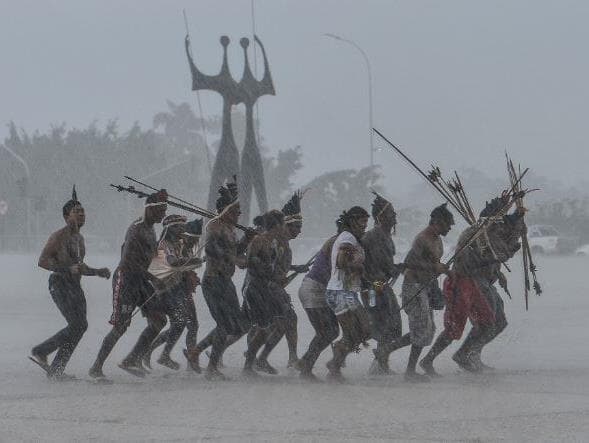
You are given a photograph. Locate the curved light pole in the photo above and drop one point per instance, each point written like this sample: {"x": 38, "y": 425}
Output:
{"x": 369, "y": 69}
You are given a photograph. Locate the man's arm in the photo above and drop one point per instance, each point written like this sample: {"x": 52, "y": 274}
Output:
{"x": 419, "y": 258}
{"x": 48, "y": 259}
{"x": 244, "y": 242}
{"x": 87, "y": 270}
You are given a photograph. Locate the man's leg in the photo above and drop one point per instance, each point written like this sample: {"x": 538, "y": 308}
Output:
{"x": 381, "y": 321}
{"x": 124, "y": 297}
{"x": 191, "y": 331}
{"x": 106, "y": 348}
{"x": 218, "y": 347}
{"x": 292, "y": 338}
{"x": 482, "y": 316}
{"x": 273, "y": 334}
{"x": 499, "y": 324}
{"x": 193, "y": 354}
{"x": 421, "y": 328}
{"x": 59, "y": 291}
{"x": 256, "y": 340}
{"x": 410, "y": 373}
{"x": 74, "y": 310}
{"x": 155, "y": 323}
{"x": 462, "y": 356}
{"x": 221, "y": 297}
{"x": 455, "y": 317}
{"x": 427, "y": 363}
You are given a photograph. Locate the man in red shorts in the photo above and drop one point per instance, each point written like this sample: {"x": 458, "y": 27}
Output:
{"x": 465, "y": 300}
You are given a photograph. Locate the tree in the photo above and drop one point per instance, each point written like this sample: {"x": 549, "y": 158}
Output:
{"x": 280, "y": 171}
{"x": 331, "y": 193}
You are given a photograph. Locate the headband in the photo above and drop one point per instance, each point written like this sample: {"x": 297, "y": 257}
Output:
{"x": 148, "y": 205}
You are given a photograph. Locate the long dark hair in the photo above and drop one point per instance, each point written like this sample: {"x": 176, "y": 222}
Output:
{"x": 344, "y": 222}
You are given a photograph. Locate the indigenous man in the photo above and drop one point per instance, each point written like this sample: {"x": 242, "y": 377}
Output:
{"x": 510, "y": 232}
{"x": 133, "y": 286}
{"x": 260, "y": 301}
{"x": 170, "y": 266}
{"x": 285, "y": 324}
{"x": 470, "y": 294}
{"x": 380, "y": 272}
{"x": 223, "y": 252}
{"x": 420, "y": 285}
{"x": 63, "y": 255}
{"x": 322, "y": 318}
{"x": 343, "y": 288}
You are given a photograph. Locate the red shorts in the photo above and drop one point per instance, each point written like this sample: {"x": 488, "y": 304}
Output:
{"x": 464, "y": 301}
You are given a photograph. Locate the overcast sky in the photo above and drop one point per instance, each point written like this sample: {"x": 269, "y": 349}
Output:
{"x": 455, "y": 82}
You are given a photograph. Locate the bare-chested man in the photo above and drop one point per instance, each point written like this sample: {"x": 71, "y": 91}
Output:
{"x": 286, "y": 324}
{"x": 63, "y": 255}
{"x": 380, "y": 272}
{"x": 420, "y": 285}
{"x": 261, "y": 304}
{"x": 133, "y": 286}
{"x": 223, "y": 253}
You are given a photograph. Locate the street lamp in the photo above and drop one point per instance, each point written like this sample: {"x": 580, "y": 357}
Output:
{"x": 368, "y": 68}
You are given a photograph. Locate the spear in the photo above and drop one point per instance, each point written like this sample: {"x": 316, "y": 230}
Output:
{"x": 293, "y": 275}
{"x": 528, "y": 263}
{"x": 437, "y": 181}
{"x": 184, "y": 207}
{"x": 211, "y": 213}
{"x": 429, "y": 179}
{"x": 204, "y": 212}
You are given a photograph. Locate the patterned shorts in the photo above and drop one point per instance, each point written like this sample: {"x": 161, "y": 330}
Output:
{"x": 342, "y": 301}
{"x": 421, "y": 317}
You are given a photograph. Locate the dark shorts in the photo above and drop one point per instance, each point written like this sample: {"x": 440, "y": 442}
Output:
{"x": 221, "y": 297}
{"x": 260, "y": 304}
{"x": 385, "y": 316}
{"x": 129, "y": 290}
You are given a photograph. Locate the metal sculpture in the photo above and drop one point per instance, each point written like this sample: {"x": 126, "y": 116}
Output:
{"x": 247, "y": 91}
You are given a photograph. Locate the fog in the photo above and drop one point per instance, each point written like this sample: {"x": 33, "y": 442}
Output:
{"x": 456, "y": 81}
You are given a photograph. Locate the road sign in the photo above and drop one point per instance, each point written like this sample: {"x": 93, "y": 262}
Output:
{"x": 3, "y": 207}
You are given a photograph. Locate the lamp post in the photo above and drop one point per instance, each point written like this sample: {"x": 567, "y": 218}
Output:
{"x": 369, "y": 71}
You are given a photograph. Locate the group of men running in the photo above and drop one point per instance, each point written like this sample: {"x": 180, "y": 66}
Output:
{"x": 346, "y": 291}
